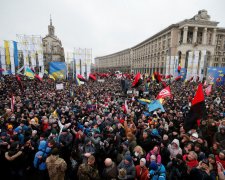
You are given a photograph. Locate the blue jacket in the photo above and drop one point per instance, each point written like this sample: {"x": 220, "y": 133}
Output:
{"x": 159, "y": 174}
{"x": 43, "y": 151}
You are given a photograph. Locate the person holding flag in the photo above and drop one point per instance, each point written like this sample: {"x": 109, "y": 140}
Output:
{"x": 197, "y": 110}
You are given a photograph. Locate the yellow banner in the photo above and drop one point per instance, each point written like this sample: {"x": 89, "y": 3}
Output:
{"x": 7, "y": 54}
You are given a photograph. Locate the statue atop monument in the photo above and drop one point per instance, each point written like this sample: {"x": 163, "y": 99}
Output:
{"x": 202, "y": 15}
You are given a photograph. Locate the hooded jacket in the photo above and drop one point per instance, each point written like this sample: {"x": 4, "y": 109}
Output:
{"x": 174, "y": 151}
{"x": 43, "y": 151}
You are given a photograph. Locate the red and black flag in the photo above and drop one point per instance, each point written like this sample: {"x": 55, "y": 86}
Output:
{"x": 169, "y": 76}
{"x": 18, "y": 79}
{"x": 178, "y": 78}
{"x": 164, "y": 84}
{"x": 91, "y": 76}
{"x": 81, "y": 78}
{"x": 157, "y": 77}
{"x": 38, "y": 77}
{"x": 137, "y": 80}
{"x": 197, "y": 110}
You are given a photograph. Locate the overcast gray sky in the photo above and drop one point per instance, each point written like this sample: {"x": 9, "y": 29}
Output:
{"x": 106, "y": 26}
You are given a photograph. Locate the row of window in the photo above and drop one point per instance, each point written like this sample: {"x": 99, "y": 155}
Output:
{"x": 217, "y": 59}
{"x": 217, "y": 65}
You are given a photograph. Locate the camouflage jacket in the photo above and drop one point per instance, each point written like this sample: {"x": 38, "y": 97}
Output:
{"x": 87, "y": 172}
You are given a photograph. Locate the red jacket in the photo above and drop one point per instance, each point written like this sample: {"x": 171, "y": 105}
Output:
{"x": 190, "y": 164}
{"x": 141, "y": 173}
{"x": 222, "y": 161}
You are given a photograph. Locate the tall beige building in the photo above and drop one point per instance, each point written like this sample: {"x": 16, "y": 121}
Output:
{"x": 52, "y": 47}
{"x": 194, "y": 43}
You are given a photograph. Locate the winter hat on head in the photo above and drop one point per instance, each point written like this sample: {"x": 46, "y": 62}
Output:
{"x": 195, "y": 135}
{"x": 34, "y": 132}
{"x": 153, "y": 166}
{"x": 205, "y": 161}
{"x": 155, "y": 132}
{"x": 125, "y": 143}
{"x": 143, "y": 160}
{"x": 128, "y": 158}
{"x": 3, "y": 134}
{"x": 212, "y": 156}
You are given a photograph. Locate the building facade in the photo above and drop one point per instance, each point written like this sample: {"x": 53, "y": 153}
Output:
{"x": 52, "y": 47}
{"x": 194, "y": 43}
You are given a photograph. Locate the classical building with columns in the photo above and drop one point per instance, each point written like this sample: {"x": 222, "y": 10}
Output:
{"x": 194, "y": 43}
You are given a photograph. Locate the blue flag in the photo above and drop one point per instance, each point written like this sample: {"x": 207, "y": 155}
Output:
{"x": 58, "y": 70}
{"x": 154, "y": 105}
{"x": 16, "y": 61}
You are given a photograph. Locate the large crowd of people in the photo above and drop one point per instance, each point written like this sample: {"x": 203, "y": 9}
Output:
{"x": 85, "y": 132}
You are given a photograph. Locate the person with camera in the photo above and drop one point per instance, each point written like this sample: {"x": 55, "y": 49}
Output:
{"x": 202, "y": 171}
{"x": 177, "y": 168}
{"x": 15, "y": 161}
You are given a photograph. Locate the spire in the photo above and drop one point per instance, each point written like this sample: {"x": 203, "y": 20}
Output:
{"x": 51, "y": 28}
{"x": 50, "y": 20}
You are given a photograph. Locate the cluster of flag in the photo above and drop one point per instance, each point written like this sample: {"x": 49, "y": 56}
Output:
{"x": 9, "y": 56}
{"x": 197, "y": 109}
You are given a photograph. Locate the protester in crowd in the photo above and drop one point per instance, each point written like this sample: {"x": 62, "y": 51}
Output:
{"x": 174, "y": 148}
{"x": 141, "y": 170}
{"x": 191, "y": 160}
{"x": 56, "y": 166}
{"x": 157, "y": 171}
{"x": 137, "y": 154}
{"x": 110, "y": 170}
{"x": 94, "y": 120}
{"x": 88, "y": 171}
{"x": 128, "y": 165}
{"x": 202, "y": 171}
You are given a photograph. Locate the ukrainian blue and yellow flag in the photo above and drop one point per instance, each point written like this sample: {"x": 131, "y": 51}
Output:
{"x": 154, "y": 105}
{"x": 7, "y": 53}
{"x": 144, "y": 101}
{"x": 77, "y": 81}
{"x": 29, "y": 73}
{"x": 57, "y": 69}
{"x": 55, "y": 114}
{"x": 51, "y": 77}
{"x": 153, "y": 77}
